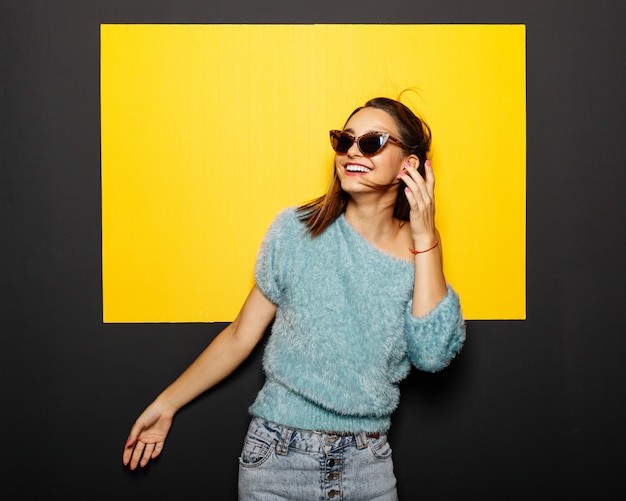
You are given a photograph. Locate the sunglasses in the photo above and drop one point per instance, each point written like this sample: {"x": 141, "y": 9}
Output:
{"x": 369, "y": 144}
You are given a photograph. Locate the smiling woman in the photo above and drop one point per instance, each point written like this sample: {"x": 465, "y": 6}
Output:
{"x": 370, "y": 240}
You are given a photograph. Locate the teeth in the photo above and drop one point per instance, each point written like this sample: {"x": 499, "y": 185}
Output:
{"x": 357, "y": 168}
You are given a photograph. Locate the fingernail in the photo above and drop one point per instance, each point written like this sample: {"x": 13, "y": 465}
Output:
{"x": 428, "y": 163}
{"x": 406, "y": 189}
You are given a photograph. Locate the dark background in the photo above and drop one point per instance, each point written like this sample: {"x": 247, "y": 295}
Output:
{"x": 531, "y": 409}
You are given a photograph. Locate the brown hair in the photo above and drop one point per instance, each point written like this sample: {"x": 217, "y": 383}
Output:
{"x": 415, "y": 135}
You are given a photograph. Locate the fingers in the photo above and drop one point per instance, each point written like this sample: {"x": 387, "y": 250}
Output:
{"x": 420, "y": 189}
{"x": 146, "y": 455}
{"x": 129, "y": 447}
{"x": 140, "y": 457}
{"x": 140, "y": 453}
{"x": 419, "y": 192}
{"x": 131, "y": 441}
{"x": 157, "y": 450}
{"x": 136, "y": 452}
{"x": 428, "y": 171}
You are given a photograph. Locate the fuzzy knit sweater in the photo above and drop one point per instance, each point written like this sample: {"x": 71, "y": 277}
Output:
{"x": 344, "y": 335}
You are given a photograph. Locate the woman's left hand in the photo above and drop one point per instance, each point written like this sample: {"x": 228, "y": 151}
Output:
{"x": 420, "y": 192}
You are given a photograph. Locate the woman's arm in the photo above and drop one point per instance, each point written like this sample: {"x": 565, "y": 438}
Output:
{"x": 430, "y": 284}
{"x": 223, "y": 355}
{"x": 434, "y": 327}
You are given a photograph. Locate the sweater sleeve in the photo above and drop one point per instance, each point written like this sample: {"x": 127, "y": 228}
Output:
{"x": 271, "y": 259}
{"x": 435, "y": 339}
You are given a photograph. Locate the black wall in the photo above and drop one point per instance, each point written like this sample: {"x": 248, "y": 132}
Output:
{"x": 531, "y": 409}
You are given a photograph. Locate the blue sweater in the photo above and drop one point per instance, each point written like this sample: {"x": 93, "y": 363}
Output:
{"x": 343, "y": 336}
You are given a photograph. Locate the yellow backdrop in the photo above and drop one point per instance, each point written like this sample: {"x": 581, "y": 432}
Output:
{"x": 209, "y": 130}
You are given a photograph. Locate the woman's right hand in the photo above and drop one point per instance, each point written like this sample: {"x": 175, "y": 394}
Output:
{"x": 223, "y": 355}
{"x": 147, "y": 436}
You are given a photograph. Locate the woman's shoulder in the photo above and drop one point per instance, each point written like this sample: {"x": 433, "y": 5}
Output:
{"x": 287, "y": 217}
{"x": 286, "y": 222}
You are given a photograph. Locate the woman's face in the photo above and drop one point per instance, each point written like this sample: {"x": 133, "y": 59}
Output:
{"x": 357, "y": 172}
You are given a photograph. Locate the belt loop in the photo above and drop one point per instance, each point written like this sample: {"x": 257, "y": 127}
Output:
{"x": 285, "y": 438}
{"x": 361, "y": 440}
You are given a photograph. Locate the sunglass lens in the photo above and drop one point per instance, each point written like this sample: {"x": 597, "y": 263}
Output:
{"x": 342, "y": 142}
{"x": 371, "y": 143}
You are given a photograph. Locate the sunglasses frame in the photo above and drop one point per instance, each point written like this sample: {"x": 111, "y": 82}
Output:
{"x": 385, "y": 135}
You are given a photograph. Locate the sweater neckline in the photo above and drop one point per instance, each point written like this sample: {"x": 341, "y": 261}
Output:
{"x": 344, "y": 222}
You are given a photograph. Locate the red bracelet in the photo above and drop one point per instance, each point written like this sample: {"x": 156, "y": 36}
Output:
{"x": 414, "y": 252}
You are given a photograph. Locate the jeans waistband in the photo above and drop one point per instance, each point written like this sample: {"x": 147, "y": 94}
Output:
{"x": 368, "y": 434}
{"x": 284, "y": 436}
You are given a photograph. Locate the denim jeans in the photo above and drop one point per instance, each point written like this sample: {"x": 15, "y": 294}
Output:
{"x": 282, "y": 463}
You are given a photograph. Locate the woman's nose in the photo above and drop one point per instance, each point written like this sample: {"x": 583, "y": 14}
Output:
{"x": 354, "y": 150}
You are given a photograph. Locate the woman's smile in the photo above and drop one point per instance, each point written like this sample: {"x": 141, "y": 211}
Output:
{"x": 355, "y": 169}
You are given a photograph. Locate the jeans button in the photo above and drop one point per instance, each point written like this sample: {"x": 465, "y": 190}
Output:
{"x": 330, "y": 440}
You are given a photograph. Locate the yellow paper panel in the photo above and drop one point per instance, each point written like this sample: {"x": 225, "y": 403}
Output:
{"x": 209, "y": 130}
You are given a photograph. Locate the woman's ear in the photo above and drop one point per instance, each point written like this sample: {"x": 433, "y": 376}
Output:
{"x": 413, "y": 161}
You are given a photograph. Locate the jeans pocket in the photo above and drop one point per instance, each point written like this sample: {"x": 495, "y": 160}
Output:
{"x": 380, "y": 448}
{"x": 255, "y": 451}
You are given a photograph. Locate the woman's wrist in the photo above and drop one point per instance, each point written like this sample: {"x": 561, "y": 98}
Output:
{"x": 425, "y": 240}
{"x": 426, "y": 249}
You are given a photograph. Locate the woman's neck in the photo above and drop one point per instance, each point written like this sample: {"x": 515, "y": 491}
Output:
{"x": 374, "y": 221}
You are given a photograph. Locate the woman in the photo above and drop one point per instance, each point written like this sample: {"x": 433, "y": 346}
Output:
{"x": 354, "y": 285}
